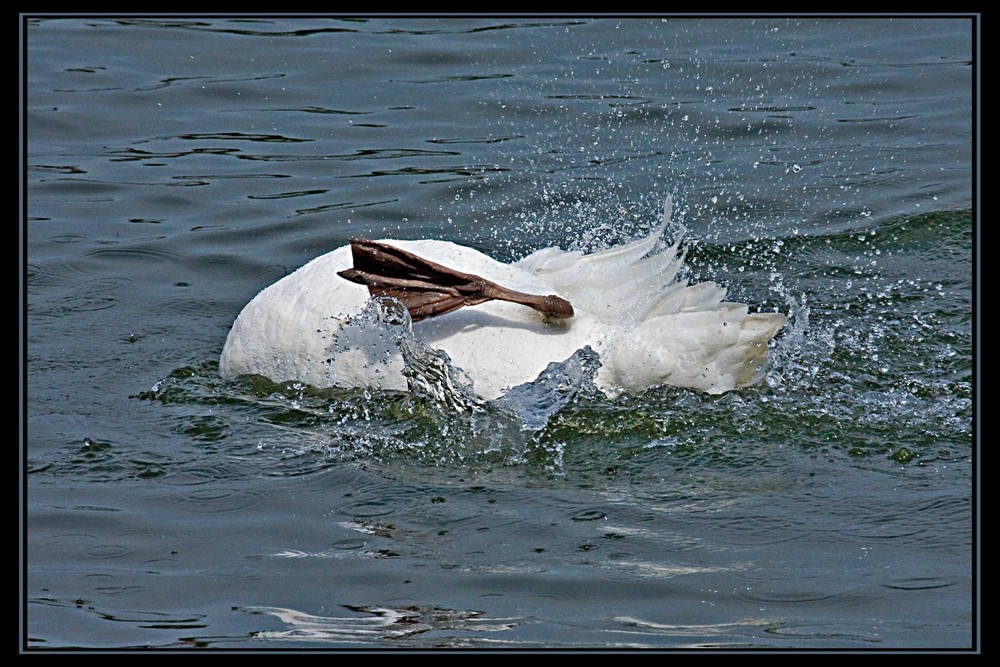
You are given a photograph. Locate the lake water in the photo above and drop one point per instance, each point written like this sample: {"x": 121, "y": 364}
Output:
{"x": 176, "y": 167}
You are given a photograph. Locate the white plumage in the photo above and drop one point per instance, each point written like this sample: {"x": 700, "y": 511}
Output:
{"x": 648, "y": 328}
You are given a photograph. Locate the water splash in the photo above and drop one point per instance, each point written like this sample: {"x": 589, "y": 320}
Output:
{"x": 369, "y": 341}
{"x": 384, "y": 329}
{"x": 431, "y": 376}
{"x": 433, "y": 379}
{"x": 797, "y": 357}
{"x": 560, "y": 384}
{"x": 874, "y": 363}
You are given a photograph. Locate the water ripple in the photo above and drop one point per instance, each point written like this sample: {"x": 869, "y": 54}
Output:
{"x": 372, "y": 625}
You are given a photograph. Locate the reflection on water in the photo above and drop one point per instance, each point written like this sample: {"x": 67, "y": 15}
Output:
{"x": 383, "y": 623}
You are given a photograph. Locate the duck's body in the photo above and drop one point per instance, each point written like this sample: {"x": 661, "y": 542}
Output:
{"x": 648, "y": 329}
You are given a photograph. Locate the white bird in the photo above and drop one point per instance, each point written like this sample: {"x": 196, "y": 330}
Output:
{"x": 648, "y": 327}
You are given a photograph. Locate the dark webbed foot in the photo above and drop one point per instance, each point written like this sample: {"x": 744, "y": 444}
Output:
{"x": 427, "y": 288}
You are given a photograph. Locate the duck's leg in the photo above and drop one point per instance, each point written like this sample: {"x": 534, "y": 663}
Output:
{"x": 427, "y": 288}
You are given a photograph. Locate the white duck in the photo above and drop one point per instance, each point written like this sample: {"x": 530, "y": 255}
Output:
{"x": 648, "y": 328}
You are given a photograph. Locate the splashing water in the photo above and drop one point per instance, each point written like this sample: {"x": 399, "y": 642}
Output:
{"x": 560, "y": 384}
{"x": 844, "y": 357}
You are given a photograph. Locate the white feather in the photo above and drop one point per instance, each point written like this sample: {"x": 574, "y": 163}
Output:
{"x": 648, "y": 328}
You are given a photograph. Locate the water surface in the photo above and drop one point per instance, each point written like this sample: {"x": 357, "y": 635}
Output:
{"x": 820, "y": 167}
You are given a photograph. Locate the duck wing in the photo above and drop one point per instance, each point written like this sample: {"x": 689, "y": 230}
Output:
{"x": 620, "y": 285}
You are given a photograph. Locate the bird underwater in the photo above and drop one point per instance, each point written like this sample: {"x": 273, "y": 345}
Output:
{"x": 502, "y": 324}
